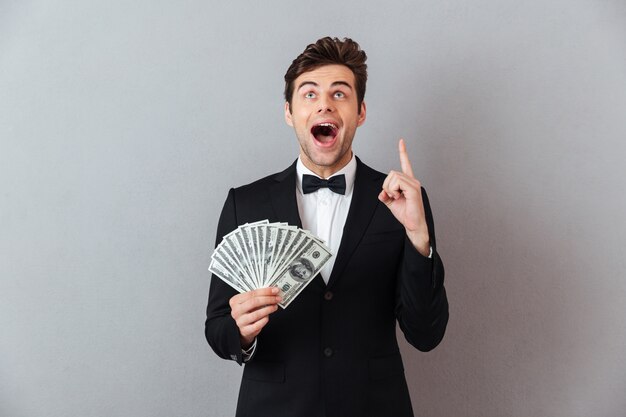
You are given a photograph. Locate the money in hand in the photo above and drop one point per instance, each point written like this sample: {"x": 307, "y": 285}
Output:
{"x": 264, "y": 254}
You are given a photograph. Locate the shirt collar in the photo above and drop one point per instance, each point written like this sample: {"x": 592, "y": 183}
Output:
{"x": 349, "y": 171}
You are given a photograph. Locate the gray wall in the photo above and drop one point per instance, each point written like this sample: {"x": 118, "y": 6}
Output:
{"x": 123, "y": 124}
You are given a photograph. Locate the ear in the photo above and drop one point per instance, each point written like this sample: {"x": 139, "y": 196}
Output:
{"x": 288, "y": 114}
{"x": 362, "y": 114}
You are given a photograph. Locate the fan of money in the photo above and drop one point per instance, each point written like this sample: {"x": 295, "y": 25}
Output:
{"x": 264, "y": 254}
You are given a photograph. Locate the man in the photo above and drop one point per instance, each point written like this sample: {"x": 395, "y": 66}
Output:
{"x": 333, "y": 351}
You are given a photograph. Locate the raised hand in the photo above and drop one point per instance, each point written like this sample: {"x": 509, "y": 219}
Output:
{"x": 402, "y": 194}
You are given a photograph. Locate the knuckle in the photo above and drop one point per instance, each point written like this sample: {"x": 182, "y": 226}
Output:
{"x": 260, "y": 323}
{"x": 253, "y": 328}
{"x": 254, "y": 317}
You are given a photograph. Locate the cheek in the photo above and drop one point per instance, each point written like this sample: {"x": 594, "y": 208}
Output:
{"x": 301, "y": 122}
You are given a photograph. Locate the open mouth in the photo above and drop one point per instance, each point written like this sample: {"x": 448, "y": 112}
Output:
{"x": 325, "y": 132}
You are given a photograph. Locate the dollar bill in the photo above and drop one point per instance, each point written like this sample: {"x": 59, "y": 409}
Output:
{"x": 219, "y": 269}
{"x": 240, "y": 242}
{"x": 286, "y": 236}
{"x": 229, "y": 262}
{"x": 301, "y": 271}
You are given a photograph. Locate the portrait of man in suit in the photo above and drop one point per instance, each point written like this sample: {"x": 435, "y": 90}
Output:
{"x": 333, "y": 351}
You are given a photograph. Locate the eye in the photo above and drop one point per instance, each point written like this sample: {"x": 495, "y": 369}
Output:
{"x": 340, "y": 94}
{"x": 310, "y": 94}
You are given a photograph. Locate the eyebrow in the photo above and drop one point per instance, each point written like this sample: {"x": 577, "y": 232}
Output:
{"x": 335, "y": 84}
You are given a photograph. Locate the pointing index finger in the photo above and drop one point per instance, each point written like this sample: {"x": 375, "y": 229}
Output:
{"x": 404, "y": 159}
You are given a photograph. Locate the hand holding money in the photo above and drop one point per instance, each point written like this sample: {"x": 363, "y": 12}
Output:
{"x": 262, "y": 254}
{"x": 251, "y": 311}
{"x": 402, "y": 193}
{"x": 269, "y": 264}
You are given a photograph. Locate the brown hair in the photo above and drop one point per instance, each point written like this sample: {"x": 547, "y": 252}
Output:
{"x": 329, "y": 51}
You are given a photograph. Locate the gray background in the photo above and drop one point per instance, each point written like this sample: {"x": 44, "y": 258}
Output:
{"x": 123, "y": 124}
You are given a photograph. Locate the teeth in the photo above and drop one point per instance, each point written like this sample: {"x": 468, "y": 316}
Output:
{"x": 328, "y": 125}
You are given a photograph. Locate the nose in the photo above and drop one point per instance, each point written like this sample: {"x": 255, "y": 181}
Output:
{"x": 325, "y": 106}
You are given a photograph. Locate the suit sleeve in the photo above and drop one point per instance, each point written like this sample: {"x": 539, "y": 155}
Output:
{"x": 220, "y": 328}
{"x": 421, "y": 301}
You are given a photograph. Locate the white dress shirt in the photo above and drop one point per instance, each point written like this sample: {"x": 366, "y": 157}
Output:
{"x": 324, "y": 212}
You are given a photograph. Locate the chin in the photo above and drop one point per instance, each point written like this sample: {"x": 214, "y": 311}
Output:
{"x": 326, "y": 160}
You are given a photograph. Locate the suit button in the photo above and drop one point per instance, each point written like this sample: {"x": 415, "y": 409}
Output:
{"x": 328, "y": 295}
{"x": 328, "y": 352}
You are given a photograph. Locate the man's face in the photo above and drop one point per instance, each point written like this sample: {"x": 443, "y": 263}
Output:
{"x": 325, "y": 114}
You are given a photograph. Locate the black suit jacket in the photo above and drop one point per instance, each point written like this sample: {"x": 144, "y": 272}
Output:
{"x": 333, "y": 351}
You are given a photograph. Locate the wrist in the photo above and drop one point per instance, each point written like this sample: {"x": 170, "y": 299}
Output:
{"x": 246, "y": 342}
{"x": 420, "y": 241}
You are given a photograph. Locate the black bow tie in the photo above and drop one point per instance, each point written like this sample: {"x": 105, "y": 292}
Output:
{"x": 311, "y": 183}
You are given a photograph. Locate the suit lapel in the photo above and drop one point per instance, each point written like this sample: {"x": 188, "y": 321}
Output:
{"x": 364, "y": 201}
{"x": 283, "y": 196}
